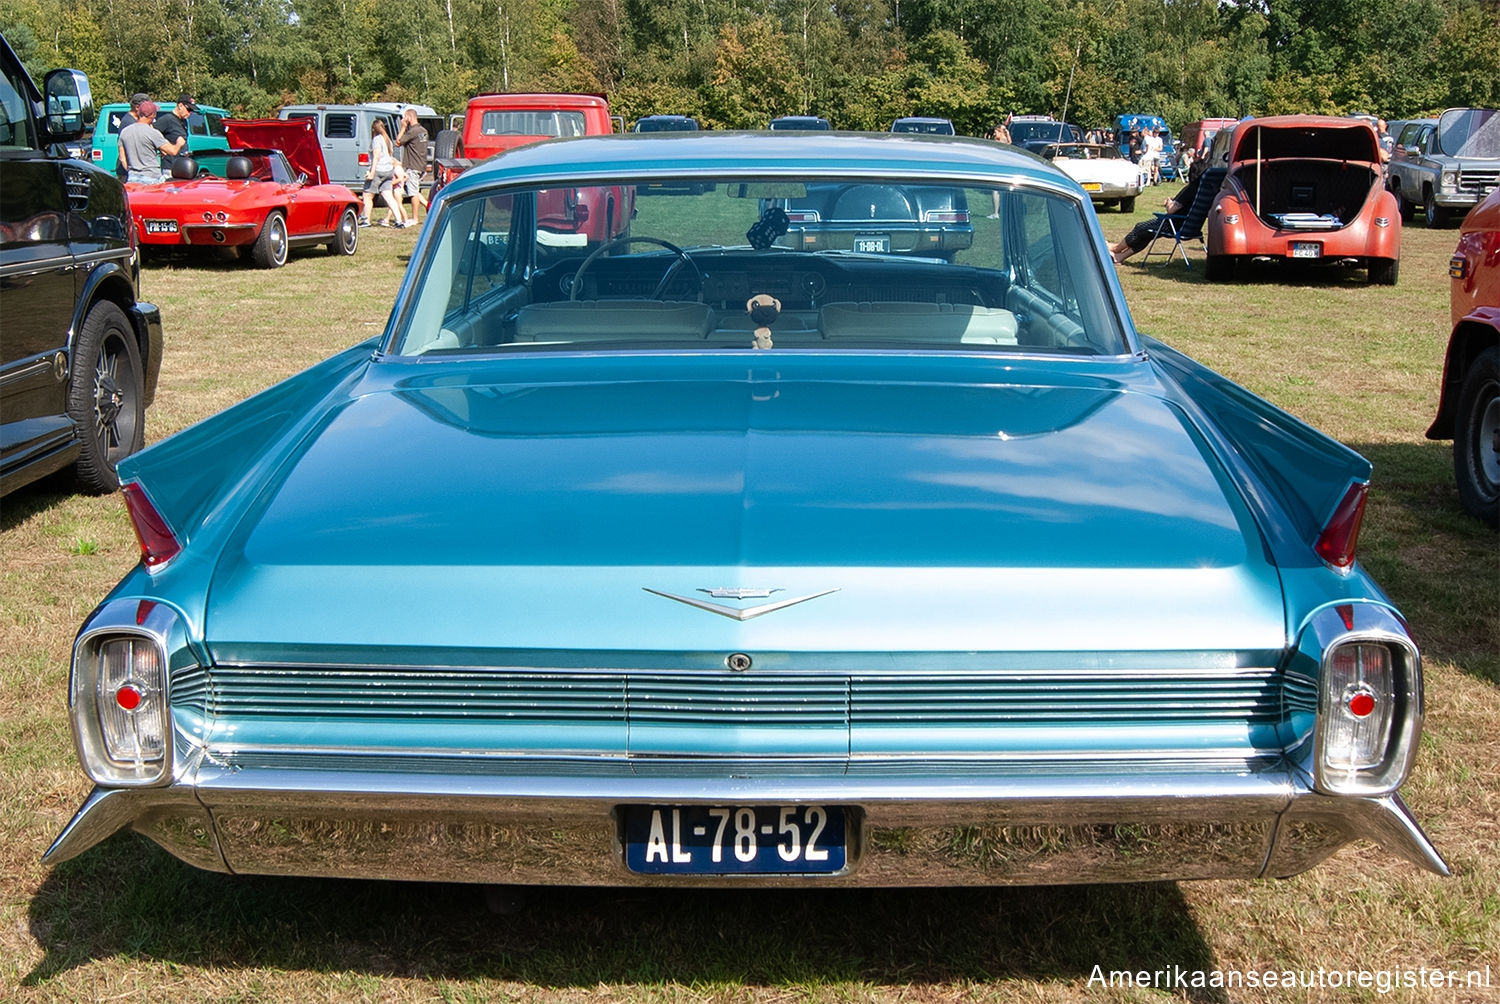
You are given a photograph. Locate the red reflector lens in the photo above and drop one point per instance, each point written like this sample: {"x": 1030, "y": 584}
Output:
{"x": 128, "y": 697}
{"x": 1339, "y": 538}
{"x": 157, "y": 543}
{"x": 1361, "y": 704}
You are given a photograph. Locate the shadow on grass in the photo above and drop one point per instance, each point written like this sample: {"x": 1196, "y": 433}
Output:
{"x": 128, "y": 897}
{"x": 1438, "y": 564}
{"x": 38, "y": 496}
{"x": 1254, "y": 274}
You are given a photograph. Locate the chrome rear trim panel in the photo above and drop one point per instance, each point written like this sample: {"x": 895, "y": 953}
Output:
{"x": 1019, "y": 828}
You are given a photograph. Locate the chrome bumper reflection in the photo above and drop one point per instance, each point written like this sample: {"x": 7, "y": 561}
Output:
{"x": 1016, "y": 829}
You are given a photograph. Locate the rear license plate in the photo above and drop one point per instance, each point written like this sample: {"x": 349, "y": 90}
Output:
{"x": 161, "y": 226}
{"x": 1092, "y": 186}
{"x": 735, "y": 840}
{"x": 872, "y": 243}
{"x": 1307, "y": 249}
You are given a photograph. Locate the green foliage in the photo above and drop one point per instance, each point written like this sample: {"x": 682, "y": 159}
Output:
{"x": 859, "y": 63}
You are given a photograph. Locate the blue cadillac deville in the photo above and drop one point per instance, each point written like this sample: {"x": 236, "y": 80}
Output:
{"x": 704, "y": 556}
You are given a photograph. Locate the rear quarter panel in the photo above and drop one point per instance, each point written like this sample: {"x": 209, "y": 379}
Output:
{"x": 1292, "y": 475}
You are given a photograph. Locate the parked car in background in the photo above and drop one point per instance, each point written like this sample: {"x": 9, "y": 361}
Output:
{"x": 79, "y": 350}
{"x": 1306, "y": 189}
{"x": 930, "y": 126}
{"x": 1196, "y": 135}
{"x": 344, "y": 133}
{"x": 496, "y": 123}
{"x": 266, "y": 195}
{"x": 1101, "y": 169}
{"x": 1448, "y": 167}
{"x": 205, "y": 129}
{"x": 1033, "y": 132}
{"x": 1469, "y": 403}
{"x": 688, "y": 562}
{"x": 799, "y": 123}
{"x": 665, "y": 123}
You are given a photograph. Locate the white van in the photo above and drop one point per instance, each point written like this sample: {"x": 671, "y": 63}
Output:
{"x": 344, "y": 132}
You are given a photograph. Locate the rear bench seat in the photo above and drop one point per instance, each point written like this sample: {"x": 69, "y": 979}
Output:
{"x": 945, "y": 323}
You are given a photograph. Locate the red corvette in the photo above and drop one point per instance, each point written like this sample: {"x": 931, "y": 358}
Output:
{"x": 268, "y": 193}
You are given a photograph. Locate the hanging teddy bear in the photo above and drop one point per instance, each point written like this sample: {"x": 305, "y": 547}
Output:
{"x": 763, "y": 309}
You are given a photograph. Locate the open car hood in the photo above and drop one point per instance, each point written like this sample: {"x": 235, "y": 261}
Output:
{"x": 297, "y": 138}
{"x": 1295, "y": 136}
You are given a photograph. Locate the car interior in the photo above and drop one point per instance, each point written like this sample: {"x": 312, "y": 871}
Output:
{"x": 498, "y": 283}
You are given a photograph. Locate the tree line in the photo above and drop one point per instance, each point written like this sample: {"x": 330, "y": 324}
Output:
{"x": 737, "y": 63}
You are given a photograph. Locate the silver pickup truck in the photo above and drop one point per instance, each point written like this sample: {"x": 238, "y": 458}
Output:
{"x": 1448, "y": 166}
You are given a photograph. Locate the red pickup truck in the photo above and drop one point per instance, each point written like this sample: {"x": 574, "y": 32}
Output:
{"x": 494, "y": 123}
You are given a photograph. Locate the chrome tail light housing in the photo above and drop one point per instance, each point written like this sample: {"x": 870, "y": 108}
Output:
{"x": 118, "y": 693}
{"x": 1369, "y": 687}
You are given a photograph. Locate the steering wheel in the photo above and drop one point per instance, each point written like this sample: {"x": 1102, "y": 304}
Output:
{"x": 661, "y": 287}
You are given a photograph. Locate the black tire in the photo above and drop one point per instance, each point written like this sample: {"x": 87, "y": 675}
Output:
{"x": 271, "y": 246}
{"x": 1383, "y": 271}
{"x": 1476, "y": 438}
{"x": 1437, "y": 216}
{"x": 445, "y": 144}
{"x": 346, "y": 237}
{"x": 1218, "y": 267}
{"x": 106, "y": 398}
{"x": 1403, "y": 205}
{"x": 1127, "y": 204}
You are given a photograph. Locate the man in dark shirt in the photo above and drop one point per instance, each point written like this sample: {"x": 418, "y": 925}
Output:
{"x": 173, "y": 125}
{"x": 412, "y": 142}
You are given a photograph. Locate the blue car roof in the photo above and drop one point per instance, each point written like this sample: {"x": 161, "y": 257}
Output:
{"x": 766, "y": 153}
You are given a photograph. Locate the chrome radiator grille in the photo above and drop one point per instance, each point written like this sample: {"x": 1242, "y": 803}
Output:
{"x": 757, "y": 699}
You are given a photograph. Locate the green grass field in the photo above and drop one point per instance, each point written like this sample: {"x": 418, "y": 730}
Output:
{"x": 128, "y": 922}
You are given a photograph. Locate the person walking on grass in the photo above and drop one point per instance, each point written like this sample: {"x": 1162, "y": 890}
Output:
{"x": 412, "y": 142}
{"x": 381, "y": 177}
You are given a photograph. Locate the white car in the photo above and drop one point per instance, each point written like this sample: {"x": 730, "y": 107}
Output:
{"x": 1109, "y": 178}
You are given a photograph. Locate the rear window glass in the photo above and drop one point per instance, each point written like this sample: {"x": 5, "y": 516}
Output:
{"x": 671, "y": 262}
{"x": 535, "y": 122}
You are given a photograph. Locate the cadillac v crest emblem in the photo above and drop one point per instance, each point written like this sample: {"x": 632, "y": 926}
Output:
{"x": 739, "y": 613}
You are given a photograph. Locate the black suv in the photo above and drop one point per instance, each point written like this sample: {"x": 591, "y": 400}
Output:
{"x": 79, "y": 354}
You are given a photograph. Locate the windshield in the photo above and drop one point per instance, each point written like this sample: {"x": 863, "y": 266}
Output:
{"x": 265, "y": 165}
{"x": 740, "y": 263}
{"x": 1022, "y": 132}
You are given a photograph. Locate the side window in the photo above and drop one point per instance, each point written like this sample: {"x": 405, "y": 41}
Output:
{"x": 1039, "y": 251}
{"x": 15, "y": 117}
{"x": 338, "y": 126}
{"x": 213, "y": 124}
{"x": 476, "y": 274}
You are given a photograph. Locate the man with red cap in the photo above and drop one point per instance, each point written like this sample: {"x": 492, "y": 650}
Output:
{"x": 142, "y": 146}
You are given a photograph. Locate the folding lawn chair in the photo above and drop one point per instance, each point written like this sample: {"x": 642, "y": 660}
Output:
{"x": 1188, "y": 226}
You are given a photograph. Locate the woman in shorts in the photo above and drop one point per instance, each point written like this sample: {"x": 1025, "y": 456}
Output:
{"x": 381, "y": 177}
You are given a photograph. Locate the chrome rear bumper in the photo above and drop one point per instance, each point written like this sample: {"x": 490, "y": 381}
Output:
{"x": 1020, "y": 825}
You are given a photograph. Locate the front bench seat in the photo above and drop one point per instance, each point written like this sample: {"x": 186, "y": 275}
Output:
{"x": 941, "y": 323}
{"x": 613, "y": 320}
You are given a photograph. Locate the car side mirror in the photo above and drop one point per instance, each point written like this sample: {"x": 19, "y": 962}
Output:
{"x": 69, "y": 104}
{"x": 302, "y": 178}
